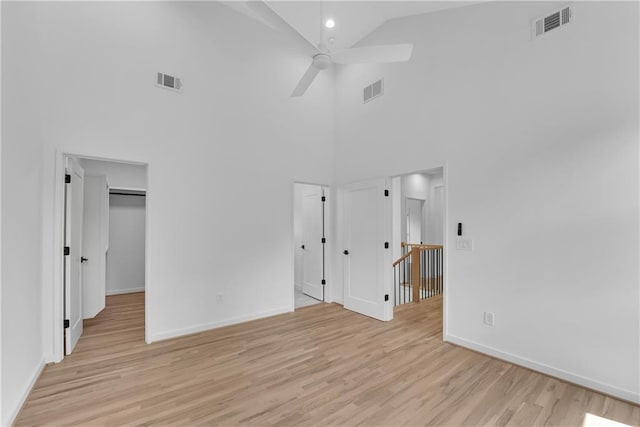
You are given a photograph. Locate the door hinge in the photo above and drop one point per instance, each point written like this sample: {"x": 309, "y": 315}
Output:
{"x": 386, "y": 193}
{"x": 66, "y": 323}
{"x": 323, "y": 240}
{"x": 324, "y": 199}
{"x": 323, "y": 282}
{"x": 66, "y": 250}
{"x": 386, "y": 297}
{"x": 67, "y": 178}
{"x": 386, "y": 245}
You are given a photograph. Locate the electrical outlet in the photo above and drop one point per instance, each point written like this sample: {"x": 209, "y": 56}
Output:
{"x": 219, "y": 299}
{"x": 488, "y": 318}
{"x": 464, "y": 244}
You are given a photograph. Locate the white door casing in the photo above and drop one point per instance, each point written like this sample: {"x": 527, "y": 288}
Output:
{"x": 438, "y": 215}
{"x": 312, "y": 233}
{"x": 367, "y": 263}
{"x": 72, "y": 266}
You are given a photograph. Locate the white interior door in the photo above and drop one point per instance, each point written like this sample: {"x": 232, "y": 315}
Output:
{"x": 367, "y": 263}
{"x": 312, "y": 233}
{"x": 73, "y": 262}
{"x": 94, "y": 244}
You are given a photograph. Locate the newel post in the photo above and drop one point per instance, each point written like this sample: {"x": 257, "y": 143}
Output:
{"x": 415, "y": 273}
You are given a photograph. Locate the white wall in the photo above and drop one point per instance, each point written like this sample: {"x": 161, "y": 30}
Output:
{"x": 540, "y": 143}
{"x": 119, "y": 175}
{"x": 125, "y": 258}
{"x": 229, "y": 133}
{"x": 416, "y": 186}
{"x": 21, "y": 311}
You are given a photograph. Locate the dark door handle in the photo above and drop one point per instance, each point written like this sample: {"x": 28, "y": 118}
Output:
{"x": 83, "y": 259}
{"x": 302, "y": 246}
{"x": 346, "y": 252}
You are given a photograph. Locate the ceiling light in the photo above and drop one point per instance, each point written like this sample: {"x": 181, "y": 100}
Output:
{"x": 329, "y": 23}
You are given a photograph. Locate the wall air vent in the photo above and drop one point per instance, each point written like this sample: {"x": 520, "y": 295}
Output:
{"x": 169, "y": 82}
{"x": 552, "y": 21}
{"x": 373, "y": 91}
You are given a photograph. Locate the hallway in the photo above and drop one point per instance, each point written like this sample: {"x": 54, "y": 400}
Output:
{"x": 321, "y": 365}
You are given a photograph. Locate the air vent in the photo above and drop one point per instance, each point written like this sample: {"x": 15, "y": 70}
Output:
{"x": 373, "y": 91}
{"x": 552, "y": 21}
{"x": 169, "y": 82}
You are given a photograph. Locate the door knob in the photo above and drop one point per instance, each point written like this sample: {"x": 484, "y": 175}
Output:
{"x": 346, "y": 252}
{"x": 302, "y": 246}
{"x": 83, "y": 259}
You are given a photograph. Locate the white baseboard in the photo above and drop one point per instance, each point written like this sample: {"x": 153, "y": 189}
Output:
{"x": 10, "y": 415}
{"x": 174, "y": 333}
{"x": 614, "y": 391}
{"x": 125, "y": 291}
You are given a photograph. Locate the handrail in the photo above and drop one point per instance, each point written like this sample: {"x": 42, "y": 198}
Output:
{"x": 421, "y": 246}
{"x": 402, "y": 258}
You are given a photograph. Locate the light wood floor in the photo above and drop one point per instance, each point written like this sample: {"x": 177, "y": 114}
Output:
{"x": 321, "y": 365}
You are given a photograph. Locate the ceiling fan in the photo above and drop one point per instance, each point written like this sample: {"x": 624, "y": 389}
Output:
{"x": 321, "y": 56}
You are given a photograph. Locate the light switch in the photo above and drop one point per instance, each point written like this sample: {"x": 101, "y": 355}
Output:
{"x": 464, "y": 244}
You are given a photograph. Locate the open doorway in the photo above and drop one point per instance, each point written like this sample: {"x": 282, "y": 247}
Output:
{"x": 418, "y": 236}
{"x": 309, "y": 227}
{"x": 104, "y": 248}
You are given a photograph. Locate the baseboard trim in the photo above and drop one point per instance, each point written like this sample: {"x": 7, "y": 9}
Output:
{"x": 175, "y": 333}
{"x": 561, "y": 374}
{"x": 13, "y": 414}
{"x": 125, "y": 291}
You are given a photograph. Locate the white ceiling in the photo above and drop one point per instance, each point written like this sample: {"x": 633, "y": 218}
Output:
{"x": 354, "y": 19}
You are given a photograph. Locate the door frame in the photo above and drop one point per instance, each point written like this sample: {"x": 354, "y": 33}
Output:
{"x": 328, "y": 246}
{"x": 445, "y": 237}
{"x": 57, "y": 302}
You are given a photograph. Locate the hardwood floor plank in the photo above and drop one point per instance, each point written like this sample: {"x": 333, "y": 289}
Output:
{"x": 319, "y": 366}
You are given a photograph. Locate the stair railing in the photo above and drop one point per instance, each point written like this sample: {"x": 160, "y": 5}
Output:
{"x": 418, "y": 273}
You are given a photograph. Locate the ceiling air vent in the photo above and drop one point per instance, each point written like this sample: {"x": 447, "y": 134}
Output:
{"x": 169, "y": 82}
{"x": 372, "y": 91}
{"x": 551, "y": 21}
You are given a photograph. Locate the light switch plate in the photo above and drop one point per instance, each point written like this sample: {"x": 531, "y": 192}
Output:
{"x": 464, "y": 244}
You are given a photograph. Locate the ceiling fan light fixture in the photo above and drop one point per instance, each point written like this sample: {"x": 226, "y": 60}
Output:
{"x": 329, "y": 23}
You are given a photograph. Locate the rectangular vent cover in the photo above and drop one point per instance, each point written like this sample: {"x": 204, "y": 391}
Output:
{"x": 169, "y": 82}
{"x": 551, "y": 21}
{"x": 373, "y": 91}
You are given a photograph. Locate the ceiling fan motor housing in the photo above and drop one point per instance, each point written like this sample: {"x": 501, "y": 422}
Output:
{"x": 321, "y": 61}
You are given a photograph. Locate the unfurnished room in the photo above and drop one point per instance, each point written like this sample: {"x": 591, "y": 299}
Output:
{"x": 310, "y": 213}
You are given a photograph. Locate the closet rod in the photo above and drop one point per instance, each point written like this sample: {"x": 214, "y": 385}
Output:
{"x": 126, "y": 194}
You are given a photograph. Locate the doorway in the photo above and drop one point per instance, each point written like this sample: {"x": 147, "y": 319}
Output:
{"x": 418, "y": 236}
{"x": 309, "y": 228}
{"x": 415, "y": 220}
{"x": 104, "y": 244}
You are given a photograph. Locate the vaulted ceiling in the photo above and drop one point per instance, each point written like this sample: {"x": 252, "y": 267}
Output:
{"x": 353, "y": 19}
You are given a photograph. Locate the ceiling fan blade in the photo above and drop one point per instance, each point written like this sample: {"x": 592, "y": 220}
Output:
{"x": 373, "y": 54}
{"x": 306, "y": 80}
{"x": 270, "y": 17}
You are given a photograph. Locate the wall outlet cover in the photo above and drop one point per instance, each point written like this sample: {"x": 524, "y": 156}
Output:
{"x": 489, "y": 318}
